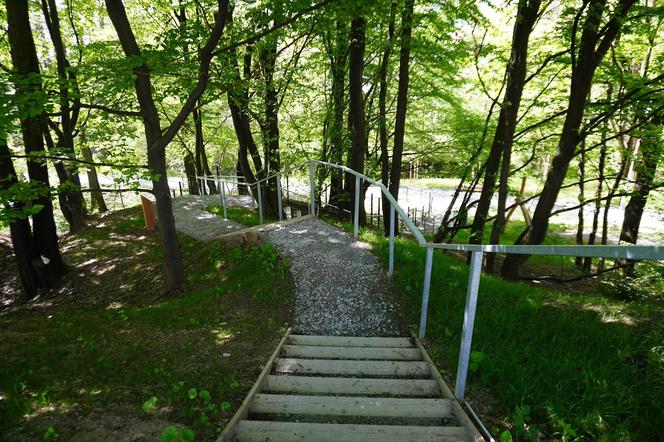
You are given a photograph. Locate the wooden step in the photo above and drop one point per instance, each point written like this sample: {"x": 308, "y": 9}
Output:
{"x": 349, "y": 341}
{"x": 351, "y": 406}
{"x": 352, "y": 368}
{"x": 370, "y": 353}
{"x": 251, "y": 431}
{"x": 331, "y": 385}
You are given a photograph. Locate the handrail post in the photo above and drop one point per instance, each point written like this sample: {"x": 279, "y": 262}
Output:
{"x": 475, "y": 272}
{"x": 260, "y": 202}
{"x": 390, "y": 269}
{"x": 279, "y": 203}
{"x": 223, "y": 198}
{"x": 425, "y": 292}
{"x": 312, "y": 190}
{"x": 356, "y": 215}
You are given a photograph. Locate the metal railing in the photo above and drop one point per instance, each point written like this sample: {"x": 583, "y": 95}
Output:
{"x": 630, "y": 252}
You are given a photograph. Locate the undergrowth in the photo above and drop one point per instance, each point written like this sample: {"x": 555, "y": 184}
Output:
{"x": 240, "y": 215}
{"x": 189, "y": 359}
{"x": 559, "y": 366}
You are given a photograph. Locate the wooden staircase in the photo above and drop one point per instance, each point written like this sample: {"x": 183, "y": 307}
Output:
{"x": 335, "y": 388}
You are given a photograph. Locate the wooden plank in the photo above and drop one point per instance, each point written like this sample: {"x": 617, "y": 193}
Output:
{"x": 472, "y": 434}
{"x": 350, "y": 341}
{"x": 352, "y": 406}
{"x": 254, "y": 431}
{"x": 357, "y": 368}
{"x": 375, "y": 353}
{"x": 316, "y": 385}
{"x": 229, "y": 432}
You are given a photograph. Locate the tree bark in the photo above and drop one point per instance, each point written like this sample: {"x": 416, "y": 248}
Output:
{"x": 202, "y": 165}
{"x": 594, "y": 43}
{"x": 651, "y": 152}
{"x": 382, "y": 115}
{"x": 515, "y": 74}
{"x": 72, "y": 201}
{"x": 21, "y": 235}
{"x": 93, "y": 181}
{"x": 26, "y": 66}
{"x": 578, "y": 261}
{"x": 156, "y": 140}
{"x": 356, "y": 111}
{"x": 338, "y": 62}
{"x": 402, "y": 97}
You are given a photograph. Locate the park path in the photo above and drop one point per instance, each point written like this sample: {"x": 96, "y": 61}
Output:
{"x": 340, "y": 286}
{"x": 192, "y": 219}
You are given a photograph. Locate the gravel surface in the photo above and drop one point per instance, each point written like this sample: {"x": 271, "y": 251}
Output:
{"x": 192, "y": 219}
{"x": 340, "y": 286}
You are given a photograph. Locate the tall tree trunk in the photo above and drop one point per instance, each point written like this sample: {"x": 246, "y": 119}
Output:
{"x": 202, "y": 165}
{"x": 338, "y": 58}
{"x": 515, "y": 74}
{"x": 402, "y": 97}
{"x": 578, "y": 261}
{"x": 270, "y": 124}
{"x": 72, "y": 200}
{"x": 382, "y": 115}
{"x": 22, "y": 242}
{"x": 93, "y": 181}
{"x": 26, "y": 66}
{"x": 594, "y": 43}
{"x": 356, "y": 111}
{"x": 156, "y": 141}
{"x": 651, "y": 152}
{"x": 600, "y": 183}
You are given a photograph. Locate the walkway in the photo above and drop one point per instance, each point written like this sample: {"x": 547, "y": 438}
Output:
{"x": 192, "y": 219}
{"x": 340, "y": 286}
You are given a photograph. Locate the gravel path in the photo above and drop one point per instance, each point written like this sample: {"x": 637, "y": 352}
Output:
{"x": 340, "y": 286}
{"x": 192, "y": 219}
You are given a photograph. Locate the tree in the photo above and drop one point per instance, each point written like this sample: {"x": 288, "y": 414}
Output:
{"x": 356, "y": 115}
{"x": 596, "y": 39}
{"x": 156, "y": 140}
{"x": 515, "y": 74}
{"x": 43, "y": 240}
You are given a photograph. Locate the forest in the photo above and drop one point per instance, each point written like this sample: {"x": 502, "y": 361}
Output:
{"x": 526, "y": 122}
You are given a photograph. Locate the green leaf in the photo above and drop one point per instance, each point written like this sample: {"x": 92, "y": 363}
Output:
{"x": 192, "y": 393}
{"x": 150, "y": 404}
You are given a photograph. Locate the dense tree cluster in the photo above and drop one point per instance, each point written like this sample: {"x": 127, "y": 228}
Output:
{"x": 569, "y": 93}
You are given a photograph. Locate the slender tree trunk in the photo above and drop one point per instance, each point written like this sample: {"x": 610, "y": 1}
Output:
{"x": 578, "y": 261}
{"x": 402, "y": 97}
{"x": 270, "y": 126}
{"x": 26, "y": 66}
{"x": 156, "y": 140}
{"x": 356, "y": 111}
{"x": 202, "y": 165}
{"x": 382, "y": 115}
{"x": 651, "y": 152}
{"x": 22, "y": 243}
{"x": 338, "y": 58}
{"x": 504, "y": 136}
{"x": 593, "y": 46}
{"x": 72, "y": 200}
{"x": 93, "y": 181}
{"x": 600, "y": 183}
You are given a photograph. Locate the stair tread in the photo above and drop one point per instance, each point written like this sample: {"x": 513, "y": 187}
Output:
{"x": 356, "y": 368}
{"x": 437, "y": 408}
{"x": 288, "y": 431}
{"x": 337, "y": 385}
{"x": 350, "y": 341}
{"x": 344, "y": 352}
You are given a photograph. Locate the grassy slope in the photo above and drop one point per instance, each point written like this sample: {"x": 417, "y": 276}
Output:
{"x": 116, "y": 351}
{"x": 583, "y": 364}
{"x": 241, "y": 215}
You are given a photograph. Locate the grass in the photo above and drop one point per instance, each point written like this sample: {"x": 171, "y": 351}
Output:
{"x": 186, "y": 361}
{"x": 240, "y": 215}
{"x": 570, "y": 366}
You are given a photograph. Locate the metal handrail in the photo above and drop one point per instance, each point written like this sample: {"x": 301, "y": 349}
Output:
{"x": 477, "y": 251}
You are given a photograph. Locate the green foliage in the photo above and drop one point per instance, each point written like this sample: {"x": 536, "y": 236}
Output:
{"x": 171, "y": 434}
{"x": 577, "y": 360}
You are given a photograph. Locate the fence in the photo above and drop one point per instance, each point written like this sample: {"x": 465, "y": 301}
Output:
{"x": 477, "y": 254}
